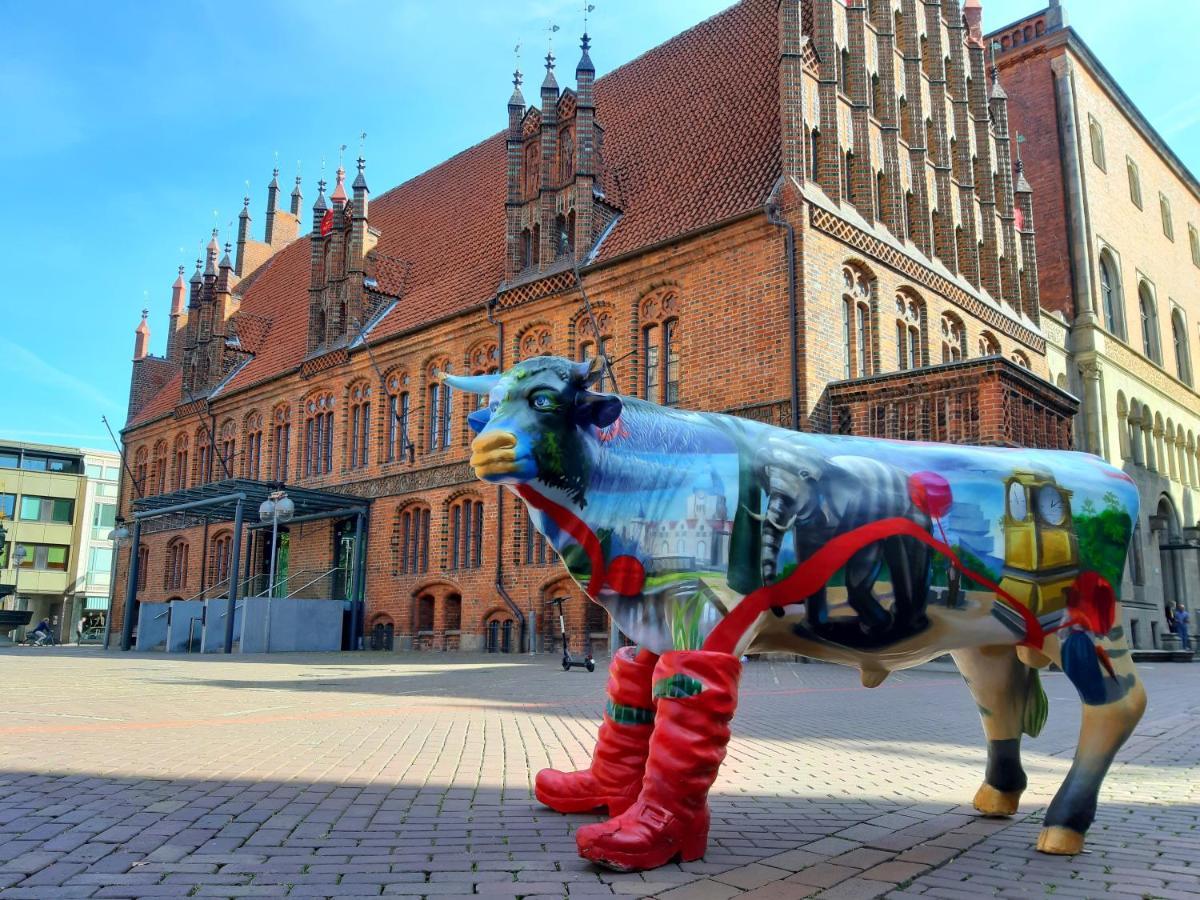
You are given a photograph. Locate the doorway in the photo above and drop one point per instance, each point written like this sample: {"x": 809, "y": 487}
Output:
{"x": 343, "y": 555}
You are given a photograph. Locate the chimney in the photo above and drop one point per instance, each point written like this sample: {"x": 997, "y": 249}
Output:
{"x": 178, "y": 319}
{"x": 141, "y": 338}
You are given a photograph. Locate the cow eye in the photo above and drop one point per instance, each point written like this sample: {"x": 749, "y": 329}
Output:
{"x": 544, "y": 401}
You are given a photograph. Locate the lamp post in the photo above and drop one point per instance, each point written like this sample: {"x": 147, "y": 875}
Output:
{"x": 278, "y": 507}
{"x": 19, "y": 554}
{"x": 117, "y": 535}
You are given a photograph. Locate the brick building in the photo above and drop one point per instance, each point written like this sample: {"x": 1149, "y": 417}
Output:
{"x": 800, "y": 212}
{"x": 1118, "y": 260}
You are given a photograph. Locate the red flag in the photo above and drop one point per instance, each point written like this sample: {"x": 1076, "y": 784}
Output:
{"x": 327, "y": 223}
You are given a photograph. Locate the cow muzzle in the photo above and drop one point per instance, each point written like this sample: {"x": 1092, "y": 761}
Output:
{"x": 494, "y": 454}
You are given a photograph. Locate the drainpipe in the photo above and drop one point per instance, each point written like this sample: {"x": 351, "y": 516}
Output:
{"x": 500, "y": 589}
{"x": 771, "y": 208}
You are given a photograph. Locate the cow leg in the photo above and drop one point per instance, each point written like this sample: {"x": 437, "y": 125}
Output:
{"x": 861, "y": 572}
{"x": 997, "y": 679}
{"x": 1111, "y": 710}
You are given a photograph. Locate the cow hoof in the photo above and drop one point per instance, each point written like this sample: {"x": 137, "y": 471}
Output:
{"x": 993, "y": 802}
{"x": 1059, "y": 841}
{"x": 873, "y": 677}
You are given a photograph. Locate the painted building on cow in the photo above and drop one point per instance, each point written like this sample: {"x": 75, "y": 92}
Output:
{"x": 1118, "y": 256}
{"x": 805, "y": 213}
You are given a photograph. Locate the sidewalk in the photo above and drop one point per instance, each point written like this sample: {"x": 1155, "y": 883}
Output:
{"x": 355, "y": 775}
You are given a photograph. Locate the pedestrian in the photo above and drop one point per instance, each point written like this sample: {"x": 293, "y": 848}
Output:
{"x": 79, "y": 627}
{"x": 1181, "y": 625}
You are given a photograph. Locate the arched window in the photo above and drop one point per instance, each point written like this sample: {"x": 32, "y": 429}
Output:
{"x": 910, "y": 330}
{"x": 252, "y": 447}
{"x": 140, "y": 469}
{"x": 1135, "y": 433}
{"x": 410, "y": 540}
{"x": 1110, "y": 295}
{"x": 954, "y": 338}
{"x": 143, "y": 566}
{"x": 175, "y": 570}
{"x": 848, "y": 177}
{"x": 537, "y": 549}
{"x": 281, "y": 435}
{"x": 814, "y": 154}
{"x": 439, "y": 407}
{"x": 988, "y": 345}
{"x": 399, "y": 444}
{"x": 1020, "y": 359}
{"x": 318, "y": 435}
{"x": 360, "y": 424}
{"x": 877, "y": 100}
{"x": 535, "y": 253}
{"x": 218, "y": 558}
{"x": 1149, "y": 316}
{"x": 844, "y": 71}
{"x": 1135, "y": 182}
{"x": 158, "y": 471}
{"x": 466, "y": 534}
{"x": 228, "y": 447}
{"x": 1183, "y": 361}
{"x": 858, "y": 324}
{"x": 179, "y": 480}
{"x": 660, "y": 346}
{"x": 1164, "y": 211}
{"x": 1097, "y": 139}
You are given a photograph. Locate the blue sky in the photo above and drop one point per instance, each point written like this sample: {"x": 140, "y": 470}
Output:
{"x": 131, "y": 123}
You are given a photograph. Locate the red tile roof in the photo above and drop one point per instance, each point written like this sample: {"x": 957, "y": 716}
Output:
{"x": 691, "y": 137}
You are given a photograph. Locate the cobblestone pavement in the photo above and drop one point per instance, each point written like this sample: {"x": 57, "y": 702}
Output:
{"x": 410, "y": 775}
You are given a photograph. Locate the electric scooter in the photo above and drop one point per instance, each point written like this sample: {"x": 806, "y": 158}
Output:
{"x": 568, "y": 661}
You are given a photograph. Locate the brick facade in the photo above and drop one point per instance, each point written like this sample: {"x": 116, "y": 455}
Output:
{"x": 680, "y": 235}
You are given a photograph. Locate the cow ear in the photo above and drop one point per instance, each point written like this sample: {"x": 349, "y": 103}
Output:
{"x": 600, "y": 410}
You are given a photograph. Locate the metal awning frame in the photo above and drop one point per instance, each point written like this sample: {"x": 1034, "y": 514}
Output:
{"x": 226, "y": 500}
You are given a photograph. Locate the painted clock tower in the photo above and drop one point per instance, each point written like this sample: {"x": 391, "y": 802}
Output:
{"x": 1041, "y": 552}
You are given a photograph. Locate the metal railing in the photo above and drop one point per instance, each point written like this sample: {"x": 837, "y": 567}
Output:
{"x": 311, "y": 583}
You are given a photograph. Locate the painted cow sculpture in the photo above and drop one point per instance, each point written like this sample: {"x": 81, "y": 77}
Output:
{"x": 706, "y": 536}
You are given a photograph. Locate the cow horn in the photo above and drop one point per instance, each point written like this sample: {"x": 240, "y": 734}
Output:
{"x": 472, "y": 384}
{"x": 590, "y": 370}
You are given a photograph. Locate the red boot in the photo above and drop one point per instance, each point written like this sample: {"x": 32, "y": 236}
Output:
{"x": 619, "y": 760}
{"x": 696, "y": 692}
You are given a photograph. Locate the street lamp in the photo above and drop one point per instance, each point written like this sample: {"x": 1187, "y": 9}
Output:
{"x": 278, "y": 507}
{"x": 117, "y": 536}
{"x": 19, "y": 554}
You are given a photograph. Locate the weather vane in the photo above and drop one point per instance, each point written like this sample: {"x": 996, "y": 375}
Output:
{"x": 551, "y": 29}
{"x": 587, "y": 8}
{"x": 362, "y": 143}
